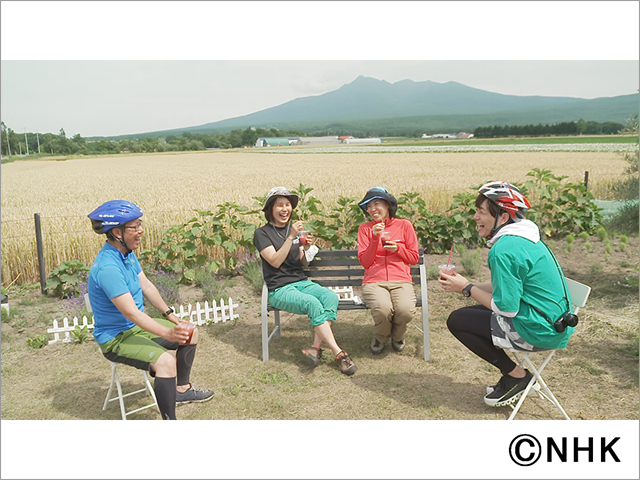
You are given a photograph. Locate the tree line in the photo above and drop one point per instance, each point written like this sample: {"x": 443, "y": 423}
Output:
{"x": 581, "y": 127}
{"x": 13, "y": 143}
{"x": 51, "y": 144}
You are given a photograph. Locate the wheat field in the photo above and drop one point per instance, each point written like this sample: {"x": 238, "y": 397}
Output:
{"x": 168, "y": 187}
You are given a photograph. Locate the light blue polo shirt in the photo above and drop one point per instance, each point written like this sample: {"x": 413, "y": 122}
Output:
{"x": 112, "y": 274}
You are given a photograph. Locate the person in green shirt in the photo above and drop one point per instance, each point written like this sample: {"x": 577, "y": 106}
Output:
{"x": 524, "y": 306}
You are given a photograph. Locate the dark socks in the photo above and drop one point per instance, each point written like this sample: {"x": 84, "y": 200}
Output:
{"x": 165, "y": 389}
{"x": 184, "y": 357}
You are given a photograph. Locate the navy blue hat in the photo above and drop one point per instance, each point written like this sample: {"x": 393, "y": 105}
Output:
{"x": 382, "y": 194}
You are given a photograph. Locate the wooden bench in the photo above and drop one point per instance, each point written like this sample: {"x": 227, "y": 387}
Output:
{"x": 341, "y": 268}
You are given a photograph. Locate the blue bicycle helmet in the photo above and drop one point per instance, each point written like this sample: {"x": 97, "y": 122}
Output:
{"x": 113, "y": 213}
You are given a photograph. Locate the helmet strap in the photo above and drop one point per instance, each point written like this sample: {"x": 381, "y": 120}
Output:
{"x": 122, "y": 242}
{"x": 496, "y": 228}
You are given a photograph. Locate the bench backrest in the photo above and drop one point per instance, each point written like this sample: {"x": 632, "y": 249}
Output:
{"x": 338, "y": 268}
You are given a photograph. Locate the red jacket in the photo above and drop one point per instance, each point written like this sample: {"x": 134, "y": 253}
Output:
{"x": 381, "y": 265}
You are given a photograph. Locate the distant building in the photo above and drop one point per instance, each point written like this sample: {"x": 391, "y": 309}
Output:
{"x": 327, "y": 140}
{"x": 362, "y": 140}
{"x": 275, "y": 141}
{"x": 448, "y": 135}
{"x": 443, "y": 135}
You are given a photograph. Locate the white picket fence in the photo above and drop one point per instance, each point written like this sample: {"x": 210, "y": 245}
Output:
{"x": 67, "y": 329}
{"x": 200, "y": 315}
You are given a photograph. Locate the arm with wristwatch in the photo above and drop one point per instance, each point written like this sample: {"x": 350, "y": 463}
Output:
{"x": 481, "y": 292}
{"x": 151, "y": 293}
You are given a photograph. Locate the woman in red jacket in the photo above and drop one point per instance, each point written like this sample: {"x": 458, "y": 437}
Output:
{"x": 387, "y": 246}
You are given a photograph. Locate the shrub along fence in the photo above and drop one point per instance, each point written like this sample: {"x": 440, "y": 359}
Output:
{"x": 221, "y": 241}
{"x": 210, "y": 240}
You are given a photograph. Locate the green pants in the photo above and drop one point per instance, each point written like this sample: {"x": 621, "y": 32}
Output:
{"x": 138, "y": 347}
{"x": 306, "y": 298}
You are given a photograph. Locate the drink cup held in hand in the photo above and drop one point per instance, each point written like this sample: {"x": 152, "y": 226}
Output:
{"x": 303, "y": 236}
{"x": 447, "y": 269}
{"x": 385, "y": 237}
{"x": 189, "y": 328}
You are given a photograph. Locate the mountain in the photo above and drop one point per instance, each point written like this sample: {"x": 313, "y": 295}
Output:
{"x": 370, "y": 101}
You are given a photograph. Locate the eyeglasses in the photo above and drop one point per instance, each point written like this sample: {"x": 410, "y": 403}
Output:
{"x": 137, "y": 228}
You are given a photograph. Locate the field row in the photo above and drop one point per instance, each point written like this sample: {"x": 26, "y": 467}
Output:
{"x": 168, "y": 187}
{"x": 559, "y": 147}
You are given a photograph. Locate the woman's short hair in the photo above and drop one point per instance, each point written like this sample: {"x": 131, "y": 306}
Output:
{"x": 268, "y": 211}
{"x": 268, "y": 207}
{"x": 272, "y": 195}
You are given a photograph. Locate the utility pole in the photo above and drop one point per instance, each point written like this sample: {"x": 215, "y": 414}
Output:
{"x": 38, "y": 138}
{"x": 20, "y": 145}
{"x": 6, "y": 134}
{"x": 25, "y": 140}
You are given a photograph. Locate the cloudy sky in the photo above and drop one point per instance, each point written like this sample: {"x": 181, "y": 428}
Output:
{"x": 111, "y": 68}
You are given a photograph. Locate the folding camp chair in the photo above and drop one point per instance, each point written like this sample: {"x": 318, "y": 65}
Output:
{"x": 115, "y": 379}
{"x": 579, "y": 294}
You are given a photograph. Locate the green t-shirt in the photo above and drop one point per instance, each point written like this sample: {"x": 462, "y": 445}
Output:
{"x": 524, "y": 274}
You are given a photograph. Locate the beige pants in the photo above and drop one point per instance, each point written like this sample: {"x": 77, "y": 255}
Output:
{"x": 391, "y": 305}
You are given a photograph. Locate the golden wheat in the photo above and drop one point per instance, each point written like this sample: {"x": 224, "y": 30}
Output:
{"x": 168, "y": 187}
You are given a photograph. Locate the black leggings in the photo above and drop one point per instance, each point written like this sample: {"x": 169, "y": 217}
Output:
{"x": 472, "y": 326}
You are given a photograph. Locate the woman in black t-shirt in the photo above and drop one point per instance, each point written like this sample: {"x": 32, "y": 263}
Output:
{"x": 283, "y": 257}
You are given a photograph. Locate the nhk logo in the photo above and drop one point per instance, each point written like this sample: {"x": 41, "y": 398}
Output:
{"x": 525, "y": 450}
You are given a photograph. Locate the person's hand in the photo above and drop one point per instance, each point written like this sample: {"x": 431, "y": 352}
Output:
{"x": 391, "y": 246}
{"x": 377, "y": 229}
{"x": 295, "y": 228}
{"x": 311, "y": 240}
{"x": 453, "y": 283}
{"x": 172, "y": 317}
{"x": 178, "y": 334}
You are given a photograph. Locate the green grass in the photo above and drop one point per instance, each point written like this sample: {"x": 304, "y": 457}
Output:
{"x": 471, "y": 262}
{"x": 251, "y": 269}
{"x": 596, "y": 268}
{"x": 70, "y": 381}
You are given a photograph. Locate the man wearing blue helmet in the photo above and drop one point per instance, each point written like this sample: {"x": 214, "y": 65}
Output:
{"x": 123, "y": 331}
